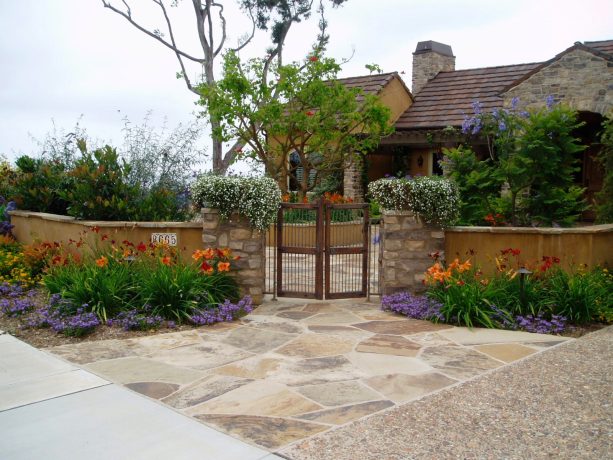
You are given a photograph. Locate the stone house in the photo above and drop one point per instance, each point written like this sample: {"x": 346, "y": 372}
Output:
{"x": 580, "y": 76}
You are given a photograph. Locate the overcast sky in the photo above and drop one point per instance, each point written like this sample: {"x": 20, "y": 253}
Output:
{"x": 63, "y": 59}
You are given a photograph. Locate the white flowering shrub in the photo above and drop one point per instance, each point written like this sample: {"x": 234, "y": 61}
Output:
{"x": 434, "y": 198}
{"x": 257, "y": 198}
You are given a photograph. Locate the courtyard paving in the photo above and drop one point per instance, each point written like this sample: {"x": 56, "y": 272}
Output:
{"x": 294, "y": 369}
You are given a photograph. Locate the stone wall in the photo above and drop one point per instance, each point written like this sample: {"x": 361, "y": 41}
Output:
{"x": 237, "y": 234}
{"x": 578, "y": 78}
{"x": 406, "y": 245}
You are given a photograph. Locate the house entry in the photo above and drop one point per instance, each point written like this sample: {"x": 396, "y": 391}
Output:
{"x": 322, "y": 250}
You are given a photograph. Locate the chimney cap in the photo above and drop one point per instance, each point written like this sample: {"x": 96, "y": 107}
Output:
{"x": 432, "y": 46}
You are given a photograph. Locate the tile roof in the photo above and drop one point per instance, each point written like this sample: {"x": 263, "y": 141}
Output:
{"x": 370, "y": 84}
{"x": 604, "y": 46}
{"x": 449, "y": 96}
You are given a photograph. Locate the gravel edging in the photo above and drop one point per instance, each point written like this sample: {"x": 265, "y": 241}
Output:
{"x": 556, "y": 404}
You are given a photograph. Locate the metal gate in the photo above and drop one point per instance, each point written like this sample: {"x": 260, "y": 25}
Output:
{"x": 322, "y": 250}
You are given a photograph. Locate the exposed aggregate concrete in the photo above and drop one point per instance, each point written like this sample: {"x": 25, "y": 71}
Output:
{"x": 556, "y": 404}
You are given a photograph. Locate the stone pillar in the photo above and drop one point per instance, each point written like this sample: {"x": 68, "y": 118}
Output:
{"x": 406, "y": 242}
{"x": 237, "y": 234}
{"x": 352, "y": 181}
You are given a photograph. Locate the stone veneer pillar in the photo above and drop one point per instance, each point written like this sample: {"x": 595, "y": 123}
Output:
{"x": 352, "y": 181}
{"x": 237, "y": 234}
{"x": 406, "y": 242}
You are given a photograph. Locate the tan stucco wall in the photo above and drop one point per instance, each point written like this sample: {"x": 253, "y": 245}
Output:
{"x": 584, "y": 245}
{"x": 396, "y": 97}
{"x": 579, "y": 78}
{"x": 33, "y": 226}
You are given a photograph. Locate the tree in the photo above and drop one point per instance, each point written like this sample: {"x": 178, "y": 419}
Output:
{"x": 301, "y": 111}
{"x": 211, "y": 26}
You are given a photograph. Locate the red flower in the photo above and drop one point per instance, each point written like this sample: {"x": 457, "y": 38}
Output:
{"x": 310, "y": 113}
{"x": 313, "y": 58}
{"x": 95, "y": 229}
{"x": 142, "y": 247}
{"x": 104, "y": 237}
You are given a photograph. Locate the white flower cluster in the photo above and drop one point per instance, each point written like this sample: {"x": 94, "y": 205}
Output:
{"x": 434, "y": 198}
{"x": 257, "y": 198}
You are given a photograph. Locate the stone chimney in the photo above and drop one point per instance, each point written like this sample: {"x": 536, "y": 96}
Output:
{"x": 430, "y": 58}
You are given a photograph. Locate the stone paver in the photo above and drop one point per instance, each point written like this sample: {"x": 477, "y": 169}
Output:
{"x": 293, "y": 369}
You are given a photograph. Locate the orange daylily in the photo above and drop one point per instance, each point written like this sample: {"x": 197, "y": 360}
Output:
{"x": 166, "y": 260}
{"x": 102, "y": 262}
{"x": 223, "y": 266}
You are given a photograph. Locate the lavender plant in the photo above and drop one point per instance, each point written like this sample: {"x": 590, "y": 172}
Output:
{"x": 417, "y": 307}
{"x": 225, "y": 312}
{"x": 137, "y": 320}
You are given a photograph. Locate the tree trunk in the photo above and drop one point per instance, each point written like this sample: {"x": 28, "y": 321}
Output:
{"x": 513, "y": 208}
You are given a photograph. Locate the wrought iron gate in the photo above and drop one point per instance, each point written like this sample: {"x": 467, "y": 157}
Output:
{"x": 322, "y": 250}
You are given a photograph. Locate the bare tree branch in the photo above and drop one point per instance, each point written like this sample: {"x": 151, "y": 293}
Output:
{"x": 128, "y": 17}
{"x": 172, "y": 40}
{"x": 223, "y": 30}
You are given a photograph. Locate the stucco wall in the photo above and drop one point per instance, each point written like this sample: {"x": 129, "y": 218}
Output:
{"x": 584, "y": 245}
{"x": 31, "y": 226}
{"x": 579, "y": 78}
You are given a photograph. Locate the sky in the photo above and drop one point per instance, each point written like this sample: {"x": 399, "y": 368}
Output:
{"x": 69, "y": 61}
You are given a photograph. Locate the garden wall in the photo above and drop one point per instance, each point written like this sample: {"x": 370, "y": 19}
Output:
{"x": 31, "y": 226}
{"x": 582, "y": 245}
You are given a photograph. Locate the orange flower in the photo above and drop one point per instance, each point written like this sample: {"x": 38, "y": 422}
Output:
{"x": 223, "y": 266}
{"x": 102, "y": 262}
{"x": 464, "y": 267}
{"x": 166, "y": 260}
{"x": 206, "y": 268}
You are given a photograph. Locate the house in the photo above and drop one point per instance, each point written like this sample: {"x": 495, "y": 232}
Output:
{"x": 580, "y": 76}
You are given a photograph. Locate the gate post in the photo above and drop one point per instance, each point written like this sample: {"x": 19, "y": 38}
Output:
{"x": 250, "y": 245}
{"x": 406, "y": 244}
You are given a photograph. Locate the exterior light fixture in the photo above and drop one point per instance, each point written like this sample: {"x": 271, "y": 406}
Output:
{"x": 523, "y": 272}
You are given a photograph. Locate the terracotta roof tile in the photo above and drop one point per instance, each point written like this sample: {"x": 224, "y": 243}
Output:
{"x": 604, "y": 46}
{"x": 449, "y": 96}
{"x": 370, "y": 84}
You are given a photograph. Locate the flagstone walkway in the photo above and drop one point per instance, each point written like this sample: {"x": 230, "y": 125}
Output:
{"x": 293, "y": 369}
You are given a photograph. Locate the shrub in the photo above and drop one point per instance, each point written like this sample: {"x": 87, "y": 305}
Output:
{"x": 38, "y": 184}
{"x": 604, "y": 198}
{"x": 5, "y": 218}
{"x": 258, "y": 199}
{"x": 534, "y": 154}
{"x": 13, "y": 267}
{"x": 435, "y": 199}
{"x": 100, "y": 189}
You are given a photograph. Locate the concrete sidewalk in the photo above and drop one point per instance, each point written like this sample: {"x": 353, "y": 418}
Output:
{"x": 51, "y": 409}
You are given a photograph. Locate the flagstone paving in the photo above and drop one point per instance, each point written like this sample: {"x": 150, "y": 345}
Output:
{"x": 293, "y": 369}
